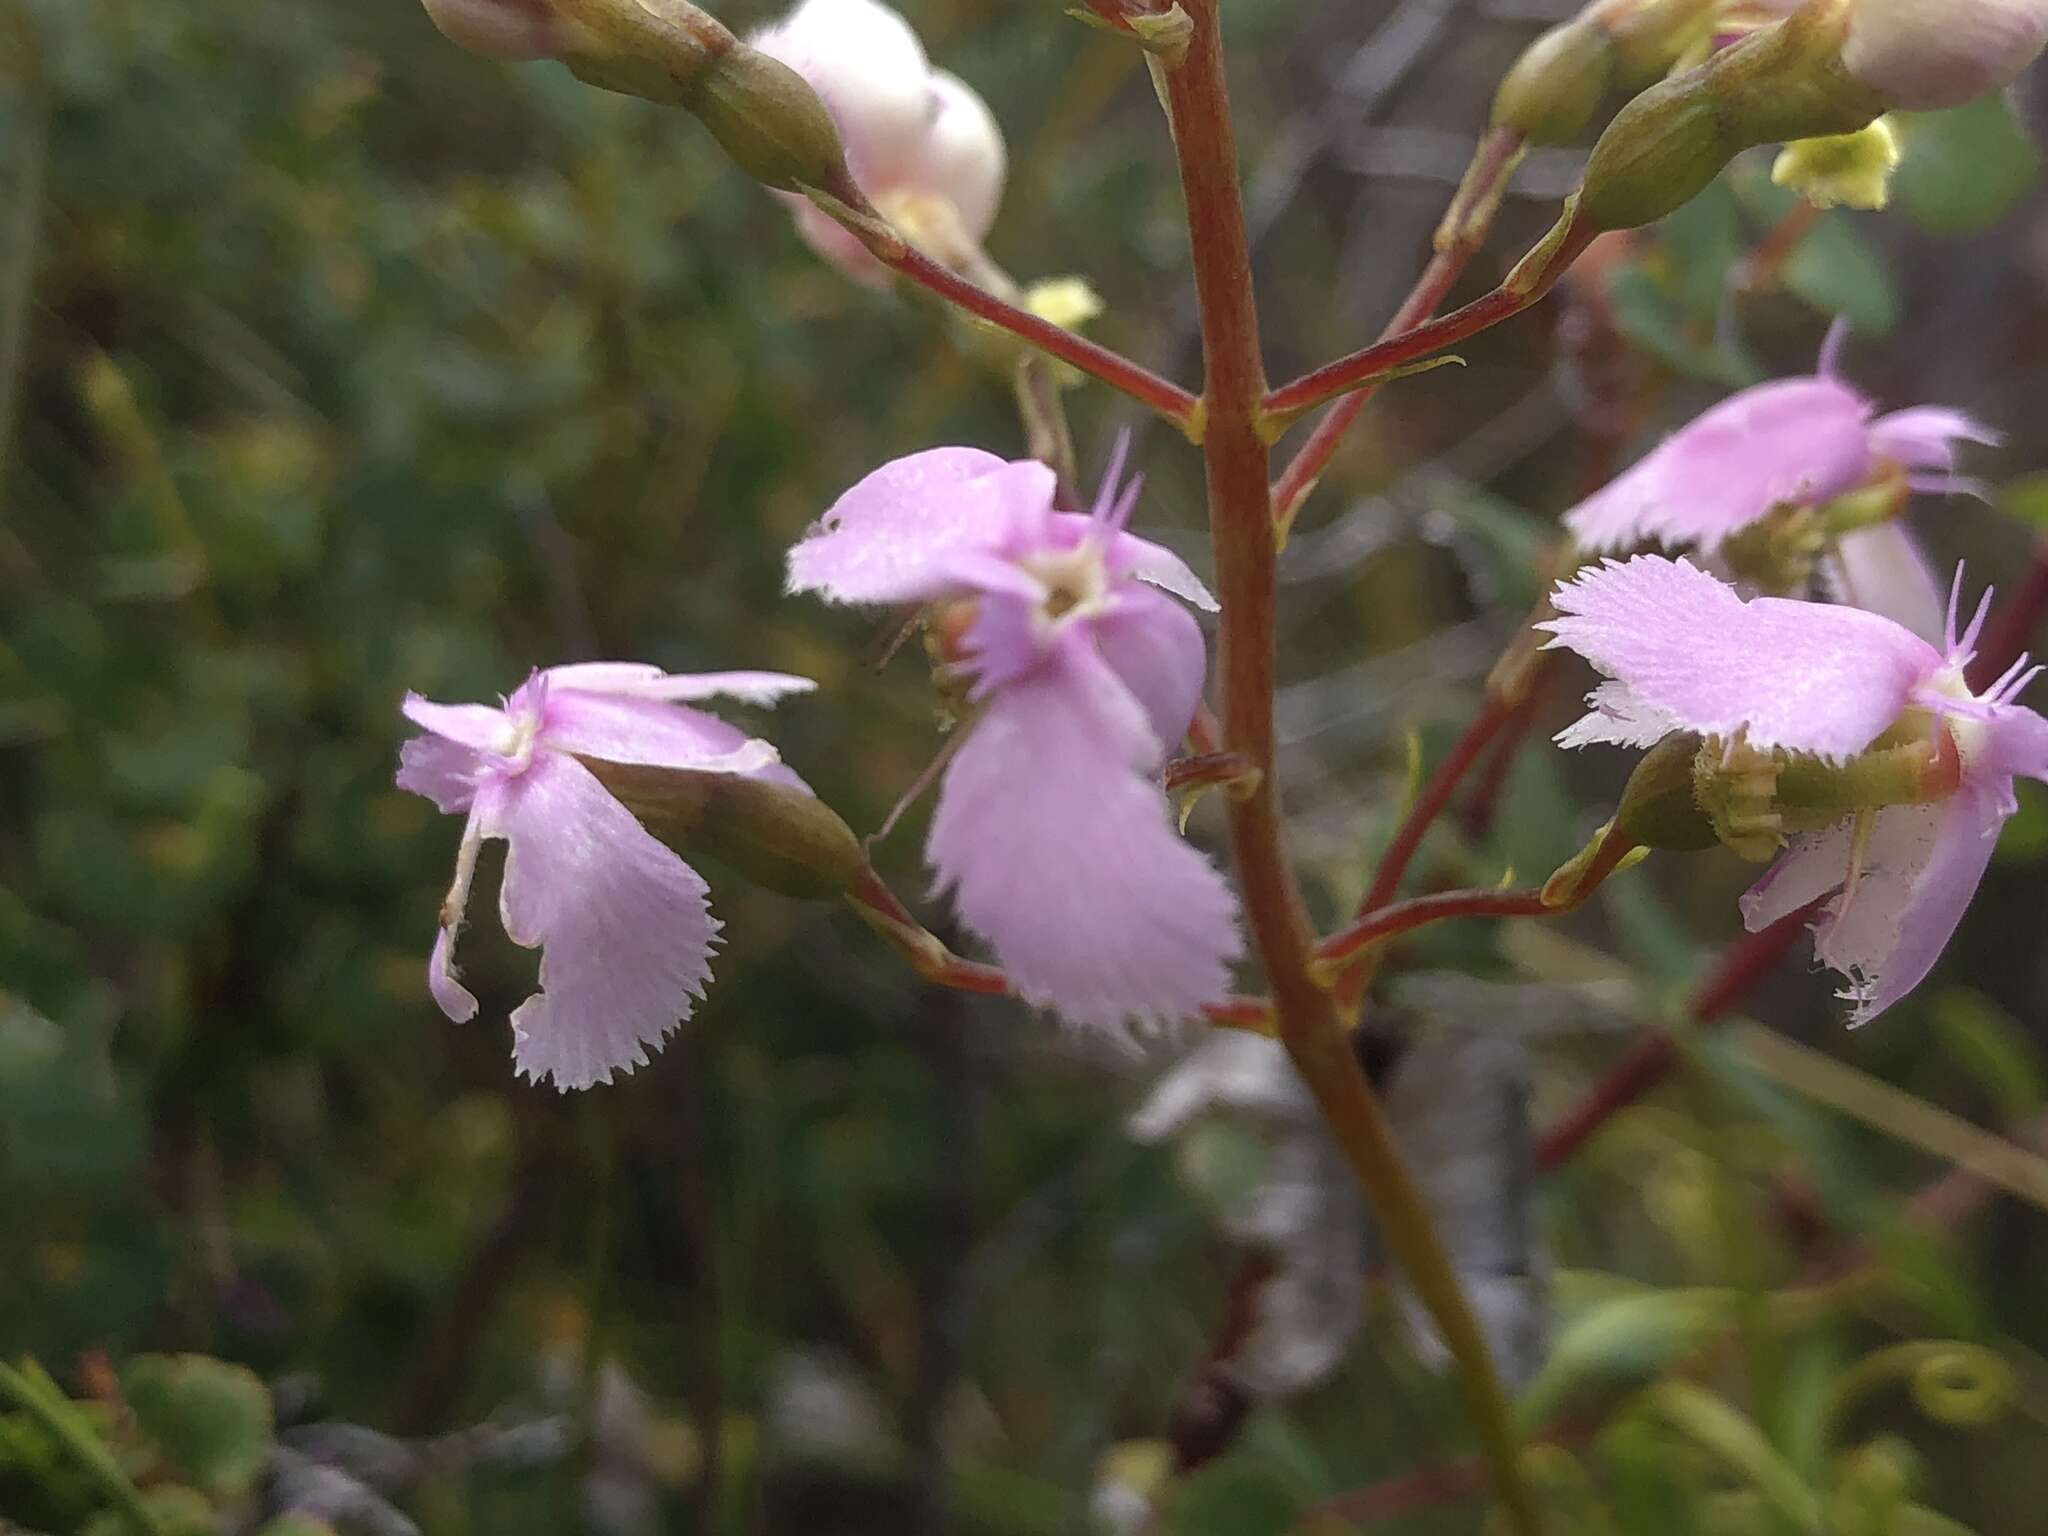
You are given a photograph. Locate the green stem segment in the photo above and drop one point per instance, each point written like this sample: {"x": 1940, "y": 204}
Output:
{"x": 1235, "y": 451}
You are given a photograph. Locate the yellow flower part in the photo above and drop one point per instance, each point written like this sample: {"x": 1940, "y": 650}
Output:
{"x": 1849, "y": 170}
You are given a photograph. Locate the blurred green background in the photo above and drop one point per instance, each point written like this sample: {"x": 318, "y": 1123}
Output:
{"x": 335, "y": 362}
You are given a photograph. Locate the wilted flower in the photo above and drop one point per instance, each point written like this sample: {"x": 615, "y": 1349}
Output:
{"x": 919, "y": 141}
{"x": 1799, "y": 442}
{"x": 1903, "y": 774}
{"x": 627, "y": 934}
{"x": 1457, "y": 1100}
{"x": 1052, "y": 829}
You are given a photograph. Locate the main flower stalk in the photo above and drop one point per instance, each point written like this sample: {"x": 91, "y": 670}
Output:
{"x": 1234, "y": 448}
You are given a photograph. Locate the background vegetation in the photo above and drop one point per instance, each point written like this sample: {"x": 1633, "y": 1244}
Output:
{"x": 335, "y": 362}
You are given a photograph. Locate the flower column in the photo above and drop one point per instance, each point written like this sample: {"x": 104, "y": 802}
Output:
{"x": 1233, "y": 429}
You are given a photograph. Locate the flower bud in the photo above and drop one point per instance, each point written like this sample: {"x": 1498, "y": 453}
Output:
{"x": 774, "y": 834}
{"x": 770, "y": 122}
{"x": 499, "y": 29}
{"x": 1556, "y": 86}
{"x": 1659, "y": 808}
{"x": 1782, "y": 83}
{"x": 1924, "y": 55}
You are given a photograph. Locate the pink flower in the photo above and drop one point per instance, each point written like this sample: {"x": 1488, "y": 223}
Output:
{"x": 1684, "y": 652}
{"x": 919, "y": 141}
{"x": 1792, "y": 442}
{"x": 1052, "y": 831}
{"x": 625, "y": 932}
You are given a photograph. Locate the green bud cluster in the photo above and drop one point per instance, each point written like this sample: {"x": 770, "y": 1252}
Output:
{"x": 1558, "y": 83}
{"x": 1781, "y": 83}
{"x": 761, "y": 111}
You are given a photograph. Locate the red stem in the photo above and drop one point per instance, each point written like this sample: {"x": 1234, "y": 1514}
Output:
{"x": 1370, "y": 365}
{"x": 1466, "y": 233}
{"x": 1441, "y": 907}
{"x": 1493, "y": 716}
{"x": 1112, "y": 368}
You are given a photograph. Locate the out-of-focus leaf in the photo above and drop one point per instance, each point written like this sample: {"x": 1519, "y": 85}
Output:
{"x": 1230, "y": 1498}
{"x": 211, "y": 1420}
{"x": 1988, "y": 1043}
{"x": 1838, "y": 272}
{"x": 1622, "y": 1341}
{"x": 1964, "y": 170}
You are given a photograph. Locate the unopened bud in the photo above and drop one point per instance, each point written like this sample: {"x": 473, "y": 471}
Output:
{"x": 1924, "y": 55}
{"x": 770, "y": 121}
{"x": 1557, "y": 84}
{"x": 1782, "y": 83}
{"x": 1659, "y": 808}
{"x": 499, "y": 29}
{"x": 1844, "y": 170}
{"x": 773, "y": 833}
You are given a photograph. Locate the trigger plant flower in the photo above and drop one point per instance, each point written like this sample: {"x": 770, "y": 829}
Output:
{"x": 1052, "y": 832}
{"x": 1792, "y": 444}
{"x": 622, "y": 922}
{"x": 1835, "y": 738}
{"x": 919, "y": 141}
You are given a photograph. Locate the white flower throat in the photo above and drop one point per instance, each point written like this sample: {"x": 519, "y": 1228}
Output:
{"x": 1076, "y": 583}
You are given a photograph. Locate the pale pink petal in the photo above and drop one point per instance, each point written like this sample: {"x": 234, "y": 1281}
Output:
{"x": 444, "y": 771}
{"x": 1924, "y": 863}
{"x": 961, "y": 158}
{"x": 622, "y": 728}
{"x": 901, "y": 534}
{"x": 474, "y": 725}
{"x": 1807, "y": 677}
{"x": 1812, "y": 865}
{"x": 1156, "y": 650}
{"x": 1795, "y": 441}
{"x": 2012, "y": 742}
{"x": 1151, "y": 563}
{"x": 624, "y": 929}
{"x": 762, "y": 688}
{"x": 1616, "y": 717}
{"x": 1882, "y": 570}
{"x": 1060, "y": 851}
{"x": 1925, "y": 437}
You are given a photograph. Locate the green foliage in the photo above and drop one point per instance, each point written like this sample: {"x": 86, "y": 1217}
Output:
{"x": 355, "y": 365}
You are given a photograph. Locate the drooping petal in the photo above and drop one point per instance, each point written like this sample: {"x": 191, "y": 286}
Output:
{"x": 1882, "y": 570}
{"x": 623, "y": 926}
{"x": 474, "y": 725}
{"x": 1794, "y": 441}
{"x": 641, "y": 680}
{"x": 1807, "y": 677}
{"x": 1060, "y": 851}
{"x": 450, "y": 995}
{"x": 1156, "y": 650}
{"x": 909, "y": 531}
{"x": 444, "y": 771}
{"x": 623, "y": 728}
{"x": 454, "y": 999}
